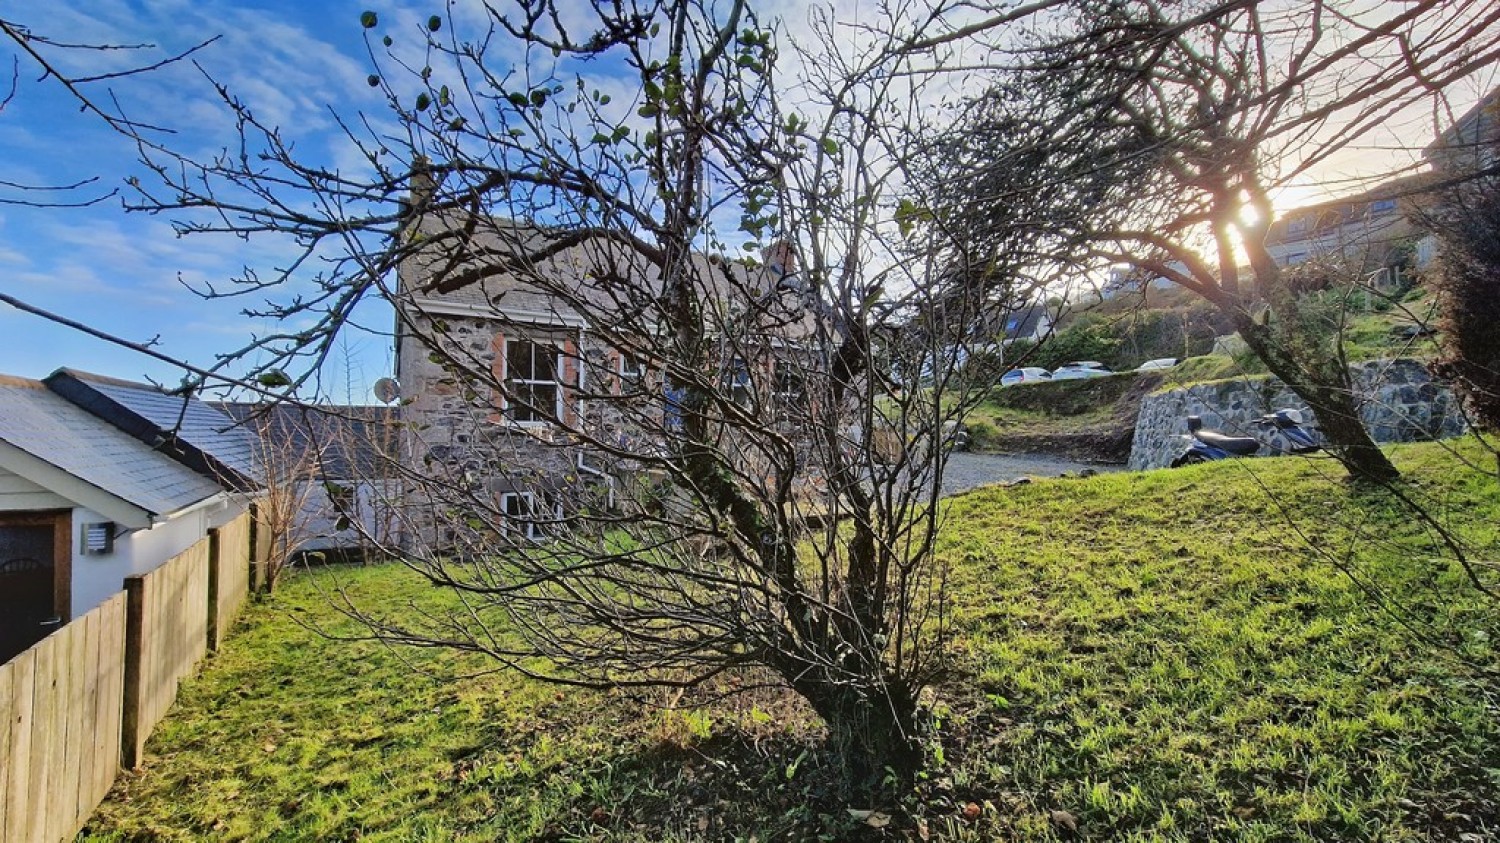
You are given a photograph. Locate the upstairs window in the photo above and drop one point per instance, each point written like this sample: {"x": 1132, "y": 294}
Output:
{"x": 1382, "y": 206}
{"x": 534, "y": 392}
{"x": 737, "y": 381}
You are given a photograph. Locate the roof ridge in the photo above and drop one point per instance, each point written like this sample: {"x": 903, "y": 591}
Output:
{"x": 98, "y": 378}
{"x": 16, "y": 380}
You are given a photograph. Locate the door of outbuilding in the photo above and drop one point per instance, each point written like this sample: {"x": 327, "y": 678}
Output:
{"x": 35, "y": 577}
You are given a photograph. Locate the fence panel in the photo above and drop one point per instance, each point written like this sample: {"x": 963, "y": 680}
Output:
{"x": 166, "y": 637}
{"x": 62, "y": 734}
{"x": 230, "y": 577}
{"x": 59, "y": 737}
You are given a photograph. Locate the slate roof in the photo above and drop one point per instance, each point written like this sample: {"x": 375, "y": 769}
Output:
{"x": 1024, "y": 322}
{"x": 48, "y": 427}
{"x": 354, "y": 441}
{"x": 577, "y": 269}
{"x": 187, "y": 429}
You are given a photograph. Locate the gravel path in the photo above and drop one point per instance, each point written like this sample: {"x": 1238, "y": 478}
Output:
{"x": 969, "y": 471}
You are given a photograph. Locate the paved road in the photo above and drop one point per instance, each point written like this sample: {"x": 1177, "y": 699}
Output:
{"x": 968, "y": 471}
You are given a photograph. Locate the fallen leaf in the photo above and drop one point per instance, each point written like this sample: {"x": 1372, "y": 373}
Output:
{"x": 1063, "y": 819}
{"x": 971, "y": 811}
{"x": 878, "y": 820}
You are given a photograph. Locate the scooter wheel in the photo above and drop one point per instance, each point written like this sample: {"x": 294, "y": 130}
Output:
{"x": 1189, "y": 458}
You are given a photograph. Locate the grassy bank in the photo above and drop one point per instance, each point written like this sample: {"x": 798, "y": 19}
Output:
{"x": 1159, "y": 656}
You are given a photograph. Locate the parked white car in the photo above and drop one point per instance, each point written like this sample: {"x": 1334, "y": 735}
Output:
{"x": 1158, "y": 363}
{"x": 1078, "y": 369}
{"x": 1027, "y": 374}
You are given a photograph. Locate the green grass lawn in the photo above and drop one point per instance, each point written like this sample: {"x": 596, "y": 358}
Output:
{"x": 1158, "y": 656}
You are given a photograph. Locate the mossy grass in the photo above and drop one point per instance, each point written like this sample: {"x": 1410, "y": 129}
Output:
{"x": 1250, "y": 650}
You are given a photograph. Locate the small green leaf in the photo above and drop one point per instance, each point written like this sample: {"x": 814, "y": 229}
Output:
{"x": 273, "y": 379}
{"x": 830, "y": 146}
{"x": 373, "y": 80}
{"x": 386, "y": 40}
{"x": 423, "y": 101}
{"x": 368, "y": 19}
{"x": 434, "y": 23}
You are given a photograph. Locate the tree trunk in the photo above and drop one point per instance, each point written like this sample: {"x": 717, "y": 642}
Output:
{"x": 1331, "y": 398}
{"x": 874, "y": 732}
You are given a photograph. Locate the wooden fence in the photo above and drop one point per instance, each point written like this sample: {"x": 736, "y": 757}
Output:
{"x": 229, "y": 556}
{"x": 166, "y": 635}
{"x": 81, "y": 703}
{"x": 60, "y": 734}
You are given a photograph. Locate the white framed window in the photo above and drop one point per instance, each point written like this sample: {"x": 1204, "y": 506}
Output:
{"x": 631, "y": 367}
{"x": 737, "y": 380}
{"x": 533, "y": 382}
{"x": 530, "y": 514}
{"x": 789, "y": 387}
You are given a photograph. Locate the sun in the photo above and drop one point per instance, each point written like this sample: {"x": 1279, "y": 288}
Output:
{"x": 1292, "y": 196}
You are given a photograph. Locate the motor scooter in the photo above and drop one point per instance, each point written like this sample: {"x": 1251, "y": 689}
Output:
{"x": 1284, "y": 434}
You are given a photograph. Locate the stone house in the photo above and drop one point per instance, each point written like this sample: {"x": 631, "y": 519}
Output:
{"x": 543, "y": 388}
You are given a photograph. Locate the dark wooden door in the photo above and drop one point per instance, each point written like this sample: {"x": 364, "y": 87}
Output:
{"x": 35, "y": 581}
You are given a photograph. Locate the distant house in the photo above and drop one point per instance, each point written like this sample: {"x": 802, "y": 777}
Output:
{"x": 1473, "y": 141}
{"x": 101, "y": 479}
{"x": 1369, "y": 231}
{"x": 1130, "y": 281}
{"x": 1030, "y": 322}
{"x": 343, "y": 458}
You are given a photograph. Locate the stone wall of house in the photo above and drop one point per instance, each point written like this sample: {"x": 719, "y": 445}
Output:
{"x": 1400, "y": 402}
{"x": 457, "y": 439}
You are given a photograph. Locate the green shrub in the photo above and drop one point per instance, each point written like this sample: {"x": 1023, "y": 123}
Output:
{"x": 982, "y": 435}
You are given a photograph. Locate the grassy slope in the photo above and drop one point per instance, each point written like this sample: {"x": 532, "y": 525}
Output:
{"x": 1155, "y": 657}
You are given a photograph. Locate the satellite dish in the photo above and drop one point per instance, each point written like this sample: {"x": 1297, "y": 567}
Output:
{"x": 387, "y": 390}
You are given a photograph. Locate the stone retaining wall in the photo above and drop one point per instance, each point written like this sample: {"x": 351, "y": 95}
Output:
{"x": 1400, "y": 402}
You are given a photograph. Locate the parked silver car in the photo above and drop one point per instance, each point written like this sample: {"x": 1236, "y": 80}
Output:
{"x": 1026, "y": 374}
{"x": 1079, "y": 369}
{"x": 1158, "y": 363}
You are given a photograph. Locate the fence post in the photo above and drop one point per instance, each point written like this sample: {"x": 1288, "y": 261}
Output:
{"x": 213, "y": 589}
{"x": 257, "y": 538}
{"x": 130, "y": 721}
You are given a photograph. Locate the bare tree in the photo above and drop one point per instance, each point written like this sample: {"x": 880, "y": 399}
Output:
{"x": 666, "y": 416}
{"x": 1194, "y": 114}
{"x": 291, "y": 470}
{"x": 47, "y": 54}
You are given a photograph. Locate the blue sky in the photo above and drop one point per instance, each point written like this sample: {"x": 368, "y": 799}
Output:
{"x": 296, "y": 64}
{"x": 291, "y": 62}
{"x": 125, "y": 273}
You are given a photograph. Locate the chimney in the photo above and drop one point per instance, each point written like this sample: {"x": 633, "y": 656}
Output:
{"x": 780, "y": 258}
